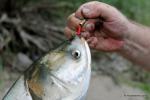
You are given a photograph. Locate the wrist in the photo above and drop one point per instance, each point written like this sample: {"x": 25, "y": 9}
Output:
{"x": 128, "y": 34}
{"x": 128, "y": 30}
{"x": 136, "y": 44}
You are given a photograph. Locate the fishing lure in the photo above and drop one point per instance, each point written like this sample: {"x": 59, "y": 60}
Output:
{"x": 80, "y": 28}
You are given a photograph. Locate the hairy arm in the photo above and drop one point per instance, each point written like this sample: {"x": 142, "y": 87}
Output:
{"x": 137, "y": 44}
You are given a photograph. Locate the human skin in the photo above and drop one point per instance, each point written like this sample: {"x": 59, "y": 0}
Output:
{"x": 106, "y": 29}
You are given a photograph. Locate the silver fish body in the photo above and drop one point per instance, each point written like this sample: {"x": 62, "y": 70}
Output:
{"x": 62, "y": 74}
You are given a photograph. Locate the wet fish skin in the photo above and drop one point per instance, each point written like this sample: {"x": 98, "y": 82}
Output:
{"x": 62, "y": 74}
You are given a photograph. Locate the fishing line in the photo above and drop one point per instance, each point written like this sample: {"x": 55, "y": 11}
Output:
{"x": 77, "y": 33}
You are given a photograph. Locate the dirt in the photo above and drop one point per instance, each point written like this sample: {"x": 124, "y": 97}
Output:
{"x": 103, "y": 88}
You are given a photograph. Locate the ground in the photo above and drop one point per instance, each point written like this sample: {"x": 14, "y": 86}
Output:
{"x": 103, "y": 88}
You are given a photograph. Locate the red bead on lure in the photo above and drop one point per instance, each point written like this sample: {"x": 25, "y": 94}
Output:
{"x": 79, "y": 28}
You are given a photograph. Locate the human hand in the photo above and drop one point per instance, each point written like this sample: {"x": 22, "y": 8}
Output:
{"x": 105, "y": 28}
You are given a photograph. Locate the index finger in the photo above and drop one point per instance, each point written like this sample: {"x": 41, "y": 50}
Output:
{"x": 90, "y": 5}
{"x": 95, "y": 9}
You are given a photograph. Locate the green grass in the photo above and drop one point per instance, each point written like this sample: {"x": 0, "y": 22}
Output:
{"x": 145, "y": 87}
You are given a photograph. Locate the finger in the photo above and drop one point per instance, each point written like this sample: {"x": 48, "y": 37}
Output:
{"x": 90, "y": 35}
{"x": 92, "y": 42}
{"x": 85, "y": 9}
{"x": 69, "y": 32}
{"x": 85, "y": 34}
{"x": 78, "y": 13}
{"x": 90, "y": 25}
{"x": 95, "y": 9}
{"x": 109, "y": 44}
{"x": 105, "y": 44}
{"x": 73, "y": 22}
{"x": 100, "y": 34}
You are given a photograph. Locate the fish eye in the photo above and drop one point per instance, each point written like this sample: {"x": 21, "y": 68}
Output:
{"x": 76, "y": 54}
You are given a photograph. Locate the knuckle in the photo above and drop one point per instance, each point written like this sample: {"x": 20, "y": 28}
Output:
{"x": 91, "y": 3}
{"x": 95, "y": 2}
{"x": 70, "y": 17}
{"x": 68, "y": 32}
{"x": 70, "y": 20}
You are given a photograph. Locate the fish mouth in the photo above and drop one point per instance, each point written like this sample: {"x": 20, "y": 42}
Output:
{"x": 59, "y": 81}
{"x": 87, "y": 50}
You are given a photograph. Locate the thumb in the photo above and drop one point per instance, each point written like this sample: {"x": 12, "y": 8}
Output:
{"x": 95, "y": 9}
{"x": 90, "y": 13}
{"x": 88, "y": 10}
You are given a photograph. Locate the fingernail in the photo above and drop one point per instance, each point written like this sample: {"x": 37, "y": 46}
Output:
{"x": 86, "y": 10}
{"x": 89, "y": 27}
{"x": 85, "y": 34}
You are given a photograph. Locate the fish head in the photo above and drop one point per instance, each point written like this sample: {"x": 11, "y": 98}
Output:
{"x": 70, "y": 60}
{"x": 61, "y": 74}
{"x": 68, "y": 67}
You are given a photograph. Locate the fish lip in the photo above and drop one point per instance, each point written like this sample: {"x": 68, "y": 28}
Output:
{"x": 87, "y": 51}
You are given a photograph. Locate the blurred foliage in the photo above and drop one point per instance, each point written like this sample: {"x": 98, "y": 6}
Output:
{"x": 145, "y": 87}
{"x": 137, "y": 10}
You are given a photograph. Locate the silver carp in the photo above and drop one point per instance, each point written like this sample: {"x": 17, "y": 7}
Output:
{"x": 61, "y": 74}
